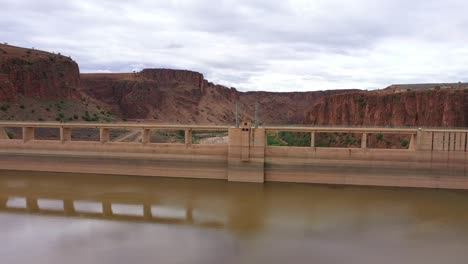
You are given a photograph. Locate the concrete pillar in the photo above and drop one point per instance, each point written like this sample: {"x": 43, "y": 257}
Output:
{"x": 28, "y": 133}
{"x": 104, "y": 135}
{"x": 32, "y": 205}
{"x": 188, "y": 137}
{"x": 246, "y": 154}
{"x": 69, "y": 207}
{"x": 312, "y": 139}
{"x": 145, "y": 136}
{"x": 364, "y": 141}
{"x": 107, "y": 209}
{"x": 65, "y": 134}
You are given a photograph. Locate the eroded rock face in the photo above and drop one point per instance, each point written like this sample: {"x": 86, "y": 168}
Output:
{"x": 168, "y": 76}
{"x": 37, "y": 74}
{"x": 446, "y": 108}
{"x": 186, "y": 97}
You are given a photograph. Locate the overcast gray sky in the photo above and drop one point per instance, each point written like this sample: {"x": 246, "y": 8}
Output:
{"x": 294, "y": 45}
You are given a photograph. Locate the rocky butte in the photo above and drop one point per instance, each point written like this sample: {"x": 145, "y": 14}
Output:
{"x": 34, "y": 73}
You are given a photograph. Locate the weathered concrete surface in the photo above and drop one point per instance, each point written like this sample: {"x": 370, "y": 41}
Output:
{"x": 435, "y": 158}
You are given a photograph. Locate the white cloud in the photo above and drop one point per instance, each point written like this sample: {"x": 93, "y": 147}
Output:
{"x": 291, "y": 45}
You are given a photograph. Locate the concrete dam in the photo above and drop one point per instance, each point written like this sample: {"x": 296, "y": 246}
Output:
{"x": 433, "y": 158}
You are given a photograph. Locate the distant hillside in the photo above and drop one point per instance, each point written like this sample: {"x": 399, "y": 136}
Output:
{"x": 425, "y": 86}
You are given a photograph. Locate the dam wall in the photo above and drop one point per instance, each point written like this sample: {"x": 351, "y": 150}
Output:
{"x": 433, "y": 158}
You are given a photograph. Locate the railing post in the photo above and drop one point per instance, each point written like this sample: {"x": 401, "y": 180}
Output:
{"x": 3, "y": 134}
{"x": 69, "y": 207}
{"x": 147, "y": 211}
{"x": 65, "y": 134}
{"x": 364, "y": 141}
{"x": 412, "y": 144}
{"x": 188, "y": 137}
{"x": 145, "y": 136}
{"x": 312, "y": 139}
{"x": 104, "y": 135}
{"x": 28, "y": 133}
{"x": 32, "y": 205}
{"x": 189, "y": 214}
{"x": 107, "y": 209}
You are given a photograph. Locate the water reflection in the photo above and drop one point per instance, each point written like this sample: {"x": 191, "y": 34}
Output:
{"x": 120, "y": 219}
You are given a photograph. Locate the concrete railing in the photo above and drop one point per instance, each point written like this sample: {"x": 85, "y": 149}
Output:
{"x": 420, "y": 139}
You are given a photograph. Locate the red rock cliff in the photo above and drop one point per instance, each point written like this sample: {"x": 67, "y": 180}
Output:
{"x": 168, "y": 76}
{"x": 184, "y": 96}
{"x": 445, "y": 108}
{"x": 37, "y": 74}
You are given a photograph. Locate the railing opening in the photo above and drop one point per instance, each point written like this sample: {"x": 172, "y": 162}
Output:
{"x": 167, "y": 136}
{"x": 85, "y": 134}
{"x": 168, "y": 212}
{"x": 46, "y": 133}
{"x": 388, "y": 141}
{"x": 338, "y": 140}
{"x": 210, "y": 137}
{"x": 287, "y": 138}
{"x": 127, "y": 209}
{"x": 125, "y": 135}
{"x": 50, "y": 204}
{"x": 14, "y": 132}
{"x": 88, "y": 207}
{"x": 16, "y": 202}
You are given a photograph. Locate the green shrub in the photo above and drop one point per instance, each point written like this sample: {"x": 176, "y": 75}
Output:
{"x": 379, "y": 136}
{"x": 404, "y": 142}
{"x": 10, "y": 134}
{"x": 361, "y": 101}
{"x": 4, "y": 107}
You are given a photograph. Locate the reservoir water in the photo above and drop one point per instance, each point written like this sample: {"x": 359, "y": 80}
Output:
{"x": 72, "y": 218}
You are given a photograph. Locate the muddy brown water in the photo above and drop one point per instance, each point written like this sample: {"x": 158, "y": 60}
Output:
{"x": 203, "y": 221}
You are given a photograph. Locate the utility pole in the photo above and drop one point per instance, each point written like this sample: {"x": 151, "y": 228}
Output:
{"x": 256, "y": 114}
{"x": 237, "y": 113}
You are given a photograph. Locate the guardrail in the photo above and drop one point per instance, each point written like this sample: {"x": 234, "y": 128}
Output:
{"x": 420, "y": 138}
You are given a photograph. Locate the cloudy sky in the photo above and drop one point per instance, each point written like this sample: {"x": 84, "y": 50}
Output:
{"x": 294, "y": 45}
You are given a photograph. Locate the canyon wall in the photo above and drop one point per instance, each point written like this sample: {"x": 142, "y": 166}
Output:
{"x": 430, "y": 108}
{"x": 185, "y": 96}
